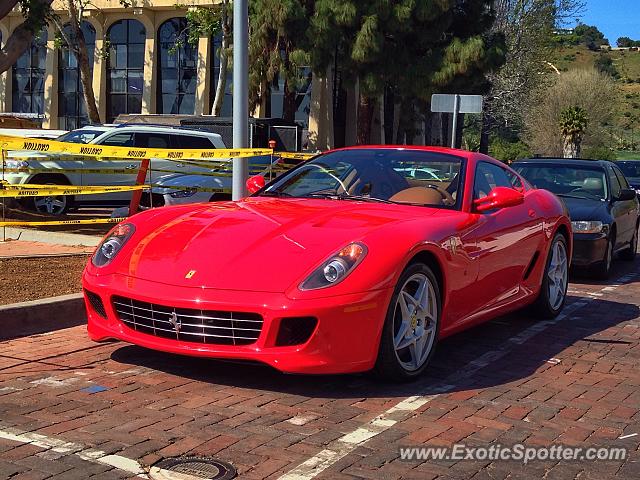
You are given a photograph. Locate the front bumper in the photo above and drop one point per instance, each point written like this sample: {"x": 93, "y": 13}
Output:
{"x": 345, "y": 339}
{"x": 588, "y": 248}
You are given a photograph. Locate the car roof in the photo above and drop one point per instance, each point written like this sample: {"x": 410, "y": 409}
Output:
{"x": 575, "y": 162}
{"x": 164, "y": 129}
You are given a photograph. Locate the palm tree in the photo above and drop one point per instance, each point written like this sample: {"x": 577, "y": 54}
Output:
{"x": 573, "y": 124}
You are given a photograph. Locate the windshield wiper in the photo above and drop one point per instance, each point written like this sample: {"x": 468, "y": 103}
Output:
{"x": 363, "y": 198}
{"x": 569, "y": 195}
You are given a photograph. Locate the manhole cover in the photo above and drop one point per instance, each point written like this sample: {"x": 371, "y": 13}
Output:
{"x": 192, "y": 467}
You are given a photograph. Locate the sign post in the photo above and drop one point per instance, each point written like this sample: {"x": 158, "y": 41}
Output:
{"x": 456, "y": 104}
{"x": 240, "y": 94}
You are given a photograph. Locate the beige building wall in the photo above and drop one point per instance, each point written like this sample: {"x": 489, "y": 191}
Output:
{"x": 152, "y": 14}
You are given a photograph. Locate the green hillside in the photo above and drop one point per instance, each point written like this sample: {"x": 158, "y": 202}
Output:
{"x": 625, "y": 67}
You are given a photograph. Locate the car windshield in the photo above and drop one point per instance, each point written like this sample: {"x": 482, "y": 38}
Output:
{"x": 383, "y": 175}
{"x": 80, "y": 136}
{"x": 630, "y": 169}
{"x": 566, "y": 180}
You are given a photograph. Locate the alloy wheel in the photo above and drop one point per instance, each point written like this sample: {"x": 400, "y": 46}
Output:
{"x": 53, "y": 205}
{"x": 415, "y": 322}
{"x": 558, "y": 273}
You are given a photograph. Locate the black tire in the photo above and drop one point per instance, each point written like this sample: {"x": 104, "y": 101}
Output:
{"x": 629, "y": 254}
{"x": 388, "y": 365}
{"x": 542, "y": 307}
{"x": 602, "y": 269}
{"x": 35, "y": 202}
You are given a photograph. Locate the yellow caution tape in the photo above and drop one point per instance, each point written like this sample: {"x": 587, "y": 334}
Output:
{"x": 102, "y": 151}
{"x": 295, "y": 155}
{"x": 62, "y": 222}
{"x": 32, "y": 190}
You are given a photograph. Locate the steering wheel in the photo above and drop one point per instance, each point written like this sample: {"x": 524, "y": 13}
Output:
{"x": 447, "y": 198}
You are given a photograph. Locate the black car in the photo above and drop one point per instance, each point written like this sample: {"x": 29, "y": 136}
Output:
{"x": 603, "y": 207}
{"x": 631, "y": 170}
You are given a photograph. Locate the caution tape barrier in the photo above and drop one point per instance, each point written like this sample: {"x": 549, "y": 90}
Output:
{"x": 32, "y": 190}
{"x": 102, "y": 151}
{"x": 62, "y": 222}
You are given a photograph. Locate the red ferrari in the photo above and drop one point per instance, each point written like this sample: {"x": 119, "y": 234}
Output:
{"x": 358, "y": 259}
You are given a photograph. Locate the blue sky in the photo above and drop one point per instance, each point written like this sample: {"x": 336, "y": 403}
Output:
{"x": 614, "y": 18}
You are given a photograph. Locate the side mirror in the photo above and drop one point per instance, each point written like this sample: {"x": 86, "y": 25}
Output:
{"x": 499, "y": 197}
{"x": 626, "y": 194}
{"x": 255, "y": 183}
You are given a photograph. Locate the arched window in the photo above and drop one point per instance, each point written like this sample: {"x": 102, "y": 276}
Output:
{"x": 178, "y": 69}
{"x": 28, "y": 77}
{"x": 72, "y": 109}
{"x": 125, "y": 66}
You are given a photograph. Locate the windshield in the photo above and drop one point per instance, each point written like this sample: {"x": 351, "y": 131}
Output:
{"x": 568, "y": 181}
{"x": 630, "y": 169}
{"x": 387, "y": 175}
{"x": 80, "y": 136}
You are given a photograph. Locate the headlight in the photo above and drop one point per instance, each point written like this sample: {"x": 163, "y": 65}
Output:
{"x": 112, "y": 244}
{"x": 16, "y": 164}
{"x": 189, "y": 192}
{"x": 587, "y": 227}
{"x": 336, "y": 268}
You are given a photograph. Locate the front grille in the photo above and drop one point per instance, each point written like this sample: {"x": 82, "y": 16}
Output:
{"x": 189, "y": 325}
{"x": 96, "y": 303}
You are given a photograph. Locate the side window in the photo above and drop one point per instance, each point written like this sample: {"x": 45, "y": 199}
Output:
{"x": 515, "y": 181}
{"x": 152, "y": 140}
{"x": 489, "y": 176}
{"x": 191, "y": 142}
{"x": 621, "y": 178}
{"x": 615, "y": 183}
{"x": 124, "y": 139}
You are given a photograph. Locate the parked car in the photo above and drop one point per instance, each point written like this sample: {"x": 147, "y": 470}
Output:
{"x": 603, "y": 207}
{"x": 631, "y": 170}
{"x": 343, "y": 264}
{"x": 64, "y": 170}
{"x": 198, "y": 188}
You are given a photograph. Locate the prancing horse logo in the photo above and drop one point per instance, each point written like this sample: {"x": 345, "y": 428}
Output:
{"x": 175, "y": 321}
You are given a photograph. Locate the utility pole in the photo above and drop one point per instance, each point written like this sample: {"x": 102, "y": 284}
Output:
{"x": 240, "y": 94}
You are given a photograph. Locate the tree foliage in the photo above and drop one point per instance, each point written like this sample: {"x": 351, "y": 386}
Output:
{"x": 593, "y": 92}
{"x": 573, "y": 123}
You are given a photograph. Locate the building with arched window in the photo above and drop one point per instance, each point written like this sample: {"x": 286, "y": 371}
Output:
{"x": 140, "y": 63}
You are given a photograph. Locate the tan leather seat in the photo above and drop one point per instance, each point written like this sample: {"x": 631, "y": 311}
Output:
{"x": 420, "y": 195}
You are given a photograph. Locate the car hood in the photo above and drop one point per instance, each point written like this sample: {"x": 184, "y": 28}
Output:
{"x": 260, "y": 244}
{"x": 585, "y": 209}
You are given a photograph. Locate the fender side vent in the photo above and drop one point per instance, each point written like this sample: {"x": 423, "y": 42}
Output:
{"x": 531, "y": 265}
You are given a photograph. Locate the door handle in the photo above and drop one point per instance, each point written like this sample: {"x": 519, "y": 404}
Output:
{"x": 532, "y": 213}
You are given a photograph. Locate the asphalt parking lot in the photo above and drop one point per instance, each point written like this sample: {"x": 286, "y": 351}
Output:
{"x": 70, "y": 408}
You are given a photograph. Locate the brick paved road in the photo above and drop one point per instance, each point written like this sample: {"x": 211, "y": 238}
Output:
{"x": 70, "y": 408}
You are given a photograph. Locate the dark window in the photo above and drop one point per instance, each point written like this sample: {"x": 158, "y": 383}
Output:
{"x": 227, "y": 102}
{"x": 119, "y": 140}
{"x": 125, "y": 68}
{"x": 178, "y": 77}
{"x": 488, "y": 177}
{"x": 152, "y": 140}
{"x": 614, "y": 182}
{"x": 28, "y": 77}
{"x": 191, "y": 142}
{"x": 621, "y": 178}
{"x": 72, "y": 109}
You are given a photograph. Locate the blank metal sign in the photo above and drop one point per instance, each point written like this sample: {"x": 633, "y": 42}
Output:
{"x": 445, "y": 103}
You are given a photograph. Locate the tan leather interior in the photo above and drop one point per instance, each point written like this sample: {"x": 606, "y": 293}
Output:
{"x": 421, "y": 195}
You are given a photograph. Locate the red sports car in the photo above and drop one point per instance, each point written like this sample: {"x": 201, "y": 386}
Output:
{"x": 358, "y": 259}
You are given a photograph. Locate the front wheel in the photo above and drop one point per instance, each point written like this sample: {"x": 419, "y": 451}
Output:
{"x": 411, "y": 327}
{"x": 553, "y": 291}
{"x": 53, "y": 204}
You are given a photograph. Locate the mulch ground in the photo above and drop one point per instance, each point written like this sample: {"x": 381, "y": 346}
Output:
{"x": 24, "y": 279}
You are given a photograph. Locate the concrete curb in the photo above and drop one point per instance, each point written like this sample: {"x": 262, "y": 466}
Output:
{"x": 59, "y": 238}
{"x": 39, "y": 316}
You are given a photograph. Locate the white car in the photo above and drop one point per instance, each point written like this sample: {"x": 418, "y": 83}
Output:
{"x": 32, "y": 133}
{"x": 40, "y": 168}
{"x": 179, "y": 188}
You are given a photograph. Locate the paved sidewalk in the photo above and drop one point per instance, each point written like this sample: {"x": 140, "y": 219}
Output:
{"x": 70, "y": 408}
